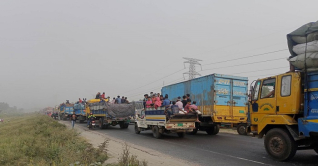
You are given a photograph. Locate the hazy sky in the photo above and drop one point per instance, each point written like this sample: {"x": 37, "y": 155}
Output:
{"x": 51, "y": 51}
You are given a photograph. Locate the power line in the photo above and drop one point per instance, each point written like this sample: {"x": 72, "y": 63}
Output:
{"x": 245, "y": 57}
{"x": 154, "y": 81}
{"x": 245, "y": 64}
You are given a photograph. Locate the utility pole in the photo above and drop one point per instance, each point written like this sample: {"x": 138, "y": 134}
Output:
{"x": 192, "y": 72}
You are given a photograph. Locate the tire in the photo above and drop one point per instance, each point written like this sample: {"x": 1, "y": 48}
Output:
{"x": 194, "y": 132}
{"x": 123, "y": 125}
{"x": 280, "y": 145}
{"x": 241, "y": 129}
{"x": 316, "y": 149}
{"x": 181, "y": 134}
{"x": 156, "y": 133}
{"x": 137, "y": 129}
{"x": 214, "y": 130}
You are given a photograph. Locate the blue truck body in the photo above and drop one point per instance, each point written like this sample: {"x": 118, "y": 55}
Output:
{"x": 309, "y": 123}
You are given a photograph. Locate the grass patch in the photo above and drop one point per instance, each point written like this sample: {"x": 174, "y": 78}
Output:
{"x": 39, "y": 140}
{"x": 126, "y": 159}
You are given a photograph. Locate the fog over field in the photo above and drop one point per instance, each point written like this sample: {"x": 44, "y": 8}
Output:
{"x": 52, "y": 51}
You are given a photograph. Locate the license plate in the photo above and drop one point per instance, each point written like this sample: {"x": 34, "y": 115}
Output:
{"x": 93, "y": 124}
{"x": 180, "y": 124}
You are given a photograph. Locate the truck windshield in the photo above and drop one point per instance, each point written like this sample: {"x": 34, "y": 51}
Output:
{"x": 268, "y": 88}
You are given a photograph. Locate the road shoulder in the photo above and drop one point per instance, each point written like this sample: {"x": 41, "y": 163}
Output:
{"x": 115, "y": 147}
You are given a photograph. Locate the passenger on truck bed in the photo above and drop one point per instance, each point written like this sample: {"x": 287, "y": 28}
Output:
{"x": 118, "y": 100}
{"x": 184, "y": 101}
{"x": 113, "y": 101}
{"x": 187, "y": 107}
{"x": 166, "y": 102}
{"x": 179, "y": 103}
{"x": 148, "y": 103}
{"x": 97, "y": 95}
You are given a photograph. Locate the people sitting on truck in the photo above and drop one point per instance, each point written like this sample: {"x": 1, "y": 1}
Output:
{"x": 89, "y": 118}
{"x": 184, "y": 101}
{"x": 123, "y": 99}
{"x": 126, "y": 101}
{"x": 113, "y": 101}
{"x": 103, "y": 95}
{"x": 179, "y": 103}
{"x": 195, "y": 107}
{"x": 145, "y": 100}
{"x": 187, "y": 107}
{"x": 175, "y": 108}
{"x": 67, "y": 102}
{"x": 80, "y": 101}
{"x": 97, "y": 95}
{"x": 166, "y": 102}
{"x": 118, "y": 100}
{"x": 148, "y": 102}
{"x": 157, "y": 101}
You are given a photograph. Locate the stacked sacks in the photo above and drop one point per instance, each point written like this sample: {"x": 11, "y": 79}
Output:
{"x": 303, "y": 46}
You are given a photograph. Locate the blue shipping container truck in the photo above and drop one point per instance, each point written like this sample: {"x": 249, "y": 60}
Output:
{"x": 220, "y": 98}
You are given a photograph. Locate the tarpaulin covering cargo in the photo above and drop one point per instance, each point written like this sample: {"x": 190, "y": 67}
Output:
{"x": 303, "y": 46}
{"x": 114, "y": 110}
{"x": 306, "y": 33}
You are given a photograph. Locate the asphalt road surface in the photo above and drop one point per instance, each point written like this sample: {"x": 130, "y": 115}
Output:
{"x": 221, "y": 149}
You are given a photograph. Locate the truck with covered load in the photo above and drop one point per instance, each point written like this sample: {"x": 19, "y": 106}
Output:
{"x": 109, "y": 114}
{"x": 284, "y": 108}
{"x": 220, "y": 98}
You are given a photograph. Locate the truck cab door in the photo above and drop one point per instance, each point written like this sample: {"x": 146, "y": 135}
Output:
{"x": 267, "y": 98}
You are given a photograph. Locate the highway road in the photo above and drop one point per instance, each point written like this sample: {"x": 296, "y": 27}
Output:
{"x": 223, "y": 149}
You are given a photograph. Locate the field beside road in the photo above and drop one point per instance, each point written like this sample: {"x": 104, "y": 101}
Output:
{"x": 34, "y": 139}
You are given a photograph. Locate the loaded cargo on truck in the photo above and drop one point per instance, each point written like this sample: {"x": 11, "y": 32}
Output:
{"x": 109, "y": 114}
{"x": 220, "y": 98}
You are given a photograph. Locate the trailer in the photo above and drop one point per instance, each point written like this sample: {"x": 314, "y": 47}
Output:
{"x": 156, "y": 120}
{"x": 220, "y": 98}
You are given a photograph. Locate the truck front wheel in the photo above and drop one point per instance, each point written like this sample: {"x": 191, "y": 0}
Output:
{"x": 279, "y": 144}
{"x": 241, "y": 129}
{"x": 213, "y": 130}
{"x": 123, "y": 125}
{"x": 156, "y": 133}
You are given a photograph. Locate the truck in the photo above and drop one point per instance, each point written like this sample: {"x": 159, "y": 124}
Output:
{"x": 156, "y": 120}
{"x": 109, "y": 114}
{"x": 284, "y": 108}
{"x": 80, "y": 112}
{"x": 65, "y": 110}
{"x": 220, "y": 98}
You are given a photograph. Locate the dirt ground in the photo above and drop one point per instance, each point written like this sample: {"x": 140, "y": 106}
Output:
{"x": 115, "y": 146}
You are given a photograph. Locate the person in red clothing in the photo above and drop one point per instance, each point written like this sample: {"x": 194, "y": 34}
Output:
{"x": 103, "y": 95}
{"x": 79, "y": 100}
{"x": 187, "y": 108}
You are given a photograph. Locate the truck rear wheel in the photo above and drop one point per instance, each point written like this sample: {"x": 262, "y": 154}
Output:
{"x": 156, "y": 133}
{"x": 137, "y": 129}
{"x": 181, "y": 134}
{"x": 213, "y": 130}
{"x": 123, "y": 125}
{"x": 194, "y": 132}
{"x": 279, "y": 144}
{"x": 241, "y": 129}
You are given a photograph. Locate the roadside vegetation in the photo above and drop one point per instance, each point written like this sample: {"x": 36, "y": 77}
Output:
{"x": 34, "y": 139}
{"x": 127, "y": 159}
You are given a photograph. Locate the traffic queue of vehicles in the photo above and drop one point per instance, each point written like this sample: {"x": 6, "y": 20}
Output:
{"x": 281, "y": 108}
